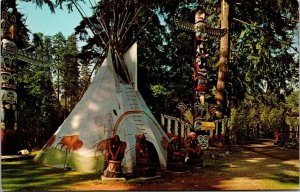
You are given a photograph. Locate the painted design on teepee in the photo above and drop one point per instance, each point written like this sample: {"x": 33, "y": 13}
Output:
{"x": 71, "y": 142}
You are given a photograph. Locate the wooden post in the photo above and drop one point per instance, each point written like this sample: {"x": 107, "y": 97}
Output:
{"x": 169, "y": 126}
{"x": 182, "y": 129}
{"x": 224, "y": 55}
{"x": 162, "y": 120}
{"x": 175, "y": 127}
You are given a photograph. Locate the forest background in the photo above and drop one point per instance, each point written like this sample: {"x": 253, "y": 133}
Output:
{"x": 262, "y": 84}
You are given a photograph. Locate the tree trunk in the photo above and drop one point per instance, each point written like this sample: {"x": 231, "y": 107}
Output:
{"x": 257, "y": 130}
{"x": 248, "y": 132}
{"x": 58, "y": 87}
{"x": 224, "y": 57}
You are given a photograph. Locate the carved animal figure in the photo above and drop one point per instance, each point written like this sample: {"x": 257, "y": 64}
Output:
{"x": 71, "y": 142}
{"x": 102, "y": 147}
{"x": 50, "y": 141}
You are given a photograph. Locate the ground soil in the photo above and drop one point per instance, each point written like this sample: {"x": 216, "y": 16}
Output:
{"x": 260, "y": 166}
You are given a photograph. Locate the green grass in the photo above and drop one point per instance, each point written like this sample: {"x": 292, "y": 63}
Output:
{"x": 242, "y": 171}
{"x": 30, "y": 176}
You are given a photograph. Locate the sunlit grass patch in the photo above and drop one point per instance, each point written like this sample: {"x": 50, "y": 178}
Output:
{"x": 295, "y": 163}
{"x": 273, "y": 165}
{"x": 291, "y": 173}
{"x": 255, "y": 160}
{"x": 248, "y": 183}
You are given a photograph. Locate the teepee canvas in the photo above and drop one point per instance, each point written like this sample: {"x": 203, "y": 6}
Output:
{"x": 108, "y": 107}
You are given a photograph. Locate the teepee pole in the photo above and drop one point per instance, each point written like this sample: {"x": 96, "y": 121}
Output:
{"x": 144, "y": 25}
{"x": 114, "y": 23}
{"x": 126, "y": 16}
{"x": 102, "y": 23}
{"x": 122, "y": 15}
{"x": 123, "y": 65}
{"x": 84, "y": 16}
{"x": 130, "y": 24}
{"x": 121, "y": 23}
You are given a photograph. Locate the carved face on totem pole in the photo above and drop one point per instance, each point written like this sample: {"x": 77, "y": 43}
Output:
{"x": 8, "y": 28}
{"x": 199, "y": 22}
{"x": 199, "y": 17}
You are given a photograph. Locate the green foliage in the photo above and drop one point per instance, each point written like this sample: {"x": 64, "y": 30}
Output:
{"x": 39, "y": 110}
{"x": 255, "y": 115}
{"x": 293, "y": 101}
{"x": 263, "y": 52}
{"x": 159, "y": 90}
{"x": 70, "y": 73}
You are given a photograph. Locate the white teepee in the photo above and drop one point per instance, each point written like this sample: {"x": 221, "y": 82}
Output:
{"x": 108, "y": 107}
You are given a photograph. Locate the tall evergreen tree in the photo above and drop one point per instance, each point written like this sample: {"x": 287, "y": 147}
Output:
{"x": 39, "y": 113}
{"x": 70, "y": 74}
{"x": 58, "y": 44}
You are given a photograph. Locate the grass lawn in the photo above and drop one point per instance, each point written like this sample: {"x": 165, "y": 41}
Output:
{"x": 244, "y": 170}
{"x": 30, "y": 176}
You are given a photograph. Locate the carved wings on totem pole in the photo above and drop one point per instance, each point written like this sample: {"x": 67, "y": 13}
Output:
{"x": 199, "y": 27}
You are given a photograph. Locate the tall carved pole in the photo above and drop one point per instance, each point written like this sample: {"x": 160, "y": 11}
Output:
{"x": 223, "y": 61}
{"x": 202, "y": 33}
{"x": 8, "y": 84}
{"x": 9, "y": 56}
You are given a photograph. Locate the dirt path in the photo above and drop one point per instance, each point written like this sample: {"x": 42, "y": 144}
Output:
{"x": 256, "y": 167}
{"x": 267, "y": 148}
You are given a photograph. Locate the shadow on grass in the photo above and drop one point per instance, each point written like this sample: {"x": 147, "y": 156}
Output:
{"x": 245, "y": 170}
{"x": 267, "y": 168}
{"x": 285, "y": 178}
{"x": 30, "y": 176}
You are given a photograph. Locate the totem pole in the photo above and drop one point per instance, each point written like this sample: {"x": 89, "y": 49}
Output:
{"x": 204, "y": 113}
{"x": 8, "y": 84}
{"x": 9, "y": 55}
{"x": 200, "y": 65}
